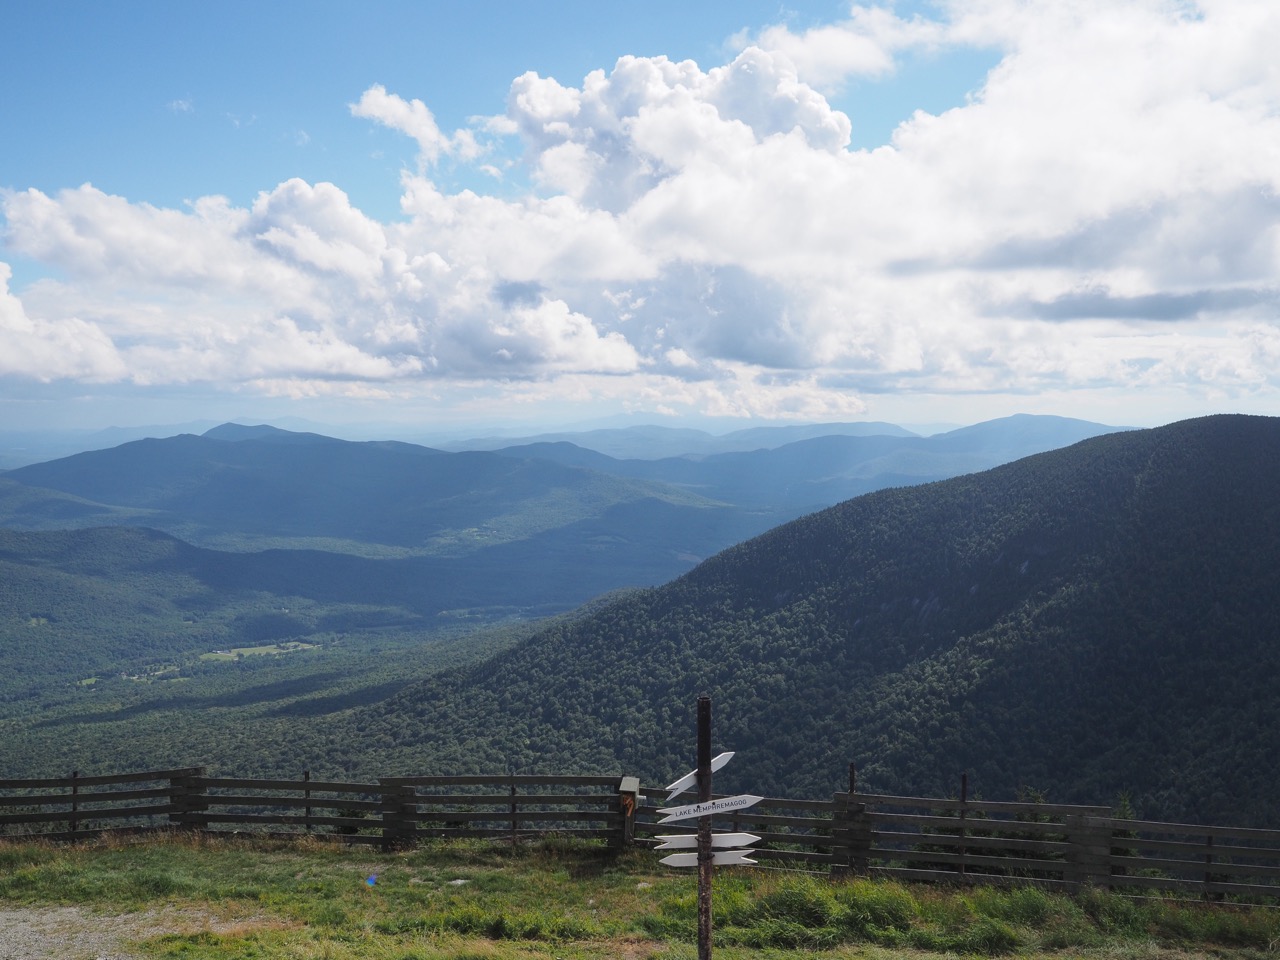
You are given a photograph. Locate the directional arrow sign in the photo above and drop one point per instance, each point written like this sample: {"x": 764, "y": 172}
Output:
{"x": 721, "y": 858}
{"x": 708, "y": 808}
{"x": 688, "y": 841}
{"x": 689, "y": 779}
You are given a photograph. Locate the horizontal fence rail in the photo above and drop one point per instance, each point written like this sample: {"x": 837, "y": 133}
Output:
{"x": 1218, "y": 861}
{"x": 351, "y": 811}
{"x": 1056, "y": 846}
{"x": 512, "y": 806}
{"x": 913, "y": 838}
{"x": 78, "y": 808}
{"x": 394, "y": 811}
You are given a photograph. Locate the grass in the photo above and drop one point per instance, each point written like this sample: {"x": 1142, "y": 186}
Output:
{"x": 310, "y": 900}
{"x": 262, "y": 650}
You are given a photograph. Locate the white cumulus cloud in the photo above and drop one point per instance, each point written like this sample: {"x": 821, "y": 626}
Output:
{"x": 44, "y": 349}
{"x": 413, "y": 117}
{"x": 1103, "y": 214}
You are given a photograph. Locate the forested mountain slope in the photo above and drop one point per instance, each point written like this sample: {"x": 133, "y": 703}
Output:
{"x": 124, "y": 649}
{"x": 1091, "y": 621}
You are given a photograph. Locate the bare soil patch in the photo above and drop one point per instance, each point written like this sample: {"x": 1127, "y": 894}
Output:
{"x": 74, "y": 933}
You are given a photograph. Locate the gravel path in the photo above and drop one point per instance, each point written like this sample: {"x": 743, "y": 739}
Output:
{"x": 73, "y": 933}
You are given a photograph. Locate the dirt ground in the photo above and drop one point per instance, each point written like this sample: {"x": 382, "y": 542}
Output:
{"x": 73, "y": 933}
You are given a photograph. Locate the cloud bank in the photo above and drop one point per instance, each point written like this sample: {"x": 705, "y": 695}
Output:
{"x": 1104, "y": 213}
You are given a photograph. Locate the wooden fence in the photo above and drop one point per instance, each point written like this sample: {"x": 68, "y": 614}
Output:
{"x": 393, "y": 811}
{"x": 1056, "y": 846}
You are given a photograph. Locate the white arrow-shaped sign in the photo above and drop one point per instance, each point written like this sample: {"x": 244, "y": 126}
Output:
{"x": 721, "y": 858}
{"x": 689, "y": 779}
{"x": 687, "y": 841}
{"x": 708, "y": 808}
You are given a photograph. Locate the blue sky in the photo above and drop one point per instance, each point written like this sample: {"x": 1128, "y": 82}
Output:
{"x": 163, "y": 102}
{"x": 477, "y": 214}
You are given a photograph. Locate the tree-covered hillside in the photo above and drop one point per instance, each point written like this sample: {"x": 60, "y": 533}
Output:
{"x": 1088, "y": 622}
{"x": 124, "y": 648}
{"x": 122, "y": 600}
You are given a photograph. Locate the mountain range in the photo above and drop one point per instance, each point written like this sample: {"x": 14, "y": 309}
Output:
{"x": 1095, "y": 623}
{"x": 533, "y": 527}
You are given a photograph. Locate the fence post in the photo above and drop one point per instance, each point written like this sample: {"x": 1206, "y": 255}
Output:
{"x": 841, "y": 853}
{"x": 306, "y": 795}
{"x": 628, "y": 800}
{"x": 851, "y": 831}
{"x": 1208, "y": 868}
{"x": 515, "y": 818}
{"x": 1089, "y": 852}
{"x": 399, "y": 814}
{"x": 188, "y": 799}
{"x": 75, "y": 803}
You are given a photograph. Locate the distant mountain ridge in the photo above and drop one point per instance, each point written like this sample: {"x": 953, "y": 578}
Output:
{"x": 272, "y": 482}
{"x": 651, "y": 442}
{"x": 814, "y": 472}
{"x": 527, "y": 517}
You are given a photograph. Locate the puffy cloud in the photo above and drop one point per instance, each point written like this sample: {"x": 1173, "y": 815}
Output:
{"x": 624, "y": 133}
{"x": 304, "y": 285}
{"x": 1103, "y": 213}
{"x": 865, "y": 44}
{"x": 550, "y": 333}
{"x": 413, "y": 117}
{"x": 51, "y": 349}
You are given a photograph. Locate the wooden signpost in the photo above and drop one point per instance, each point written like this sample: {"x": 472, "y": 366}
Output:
{"x": 684, "y": 841}
{"x": 719, "y": 858}
{"x": 709, "y": 808}
{"x": 711, "y": 850}
{"x": 690, "y": 779}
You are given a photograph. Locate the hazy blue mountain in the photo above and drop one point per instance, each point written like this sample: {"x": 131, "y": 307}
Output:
{"x": 754, "y": 438}
{"x": 382, "y": 521}
{"x": 552, "y": 516}
{"x": 255, "y": 486}
{"x": 21, "y": 447}
{"x": 263, "y": 431}
{"x": 651, "y": 442}
{"x": 809, "y": 474}
{"x": 1020, "y": 435}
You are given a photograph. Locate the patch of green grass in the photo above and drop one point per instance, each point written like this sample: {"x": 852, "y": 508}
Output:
{"x": 262, "y": 650}
{"x": 309, "y": 899}
{"x": 1115, "y": 916}
{"x": 1029, "y": 906}
{"x": 876, "y": 909}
